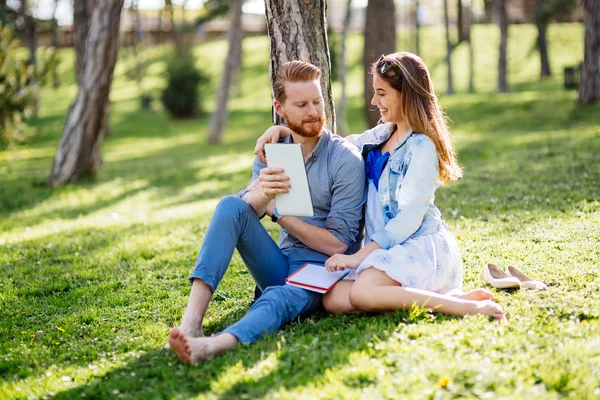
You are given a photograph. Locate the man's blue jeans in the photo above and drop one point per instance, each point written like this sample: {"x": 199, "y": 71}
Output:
{"x": 235, "y": 225}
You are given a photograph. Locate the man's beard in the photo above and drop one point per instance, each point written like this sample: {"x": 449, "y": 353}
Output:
{"x": 306, "y": 131}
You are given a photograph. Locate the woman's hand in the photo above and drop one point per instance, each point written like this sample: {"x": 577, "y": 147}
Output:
{"x": 271, "y": 135}
{"x": 338, "y": 262}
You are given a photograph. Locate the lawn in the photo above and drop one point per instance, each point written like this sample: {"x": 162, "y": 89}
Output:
{"x": 93, "y": 275}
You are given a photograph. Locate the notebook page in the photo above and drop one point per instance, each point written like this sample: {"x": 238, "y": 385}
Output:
{"x": 315, "y": 275}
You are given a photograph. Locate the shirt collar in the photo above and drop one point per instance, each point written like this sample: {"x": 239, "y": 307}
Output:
{"x": 325, "y": 135}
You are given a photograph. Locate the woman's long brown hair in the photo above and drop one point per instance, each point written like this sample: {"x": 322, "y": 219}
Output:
{"x": 409, "y": 75}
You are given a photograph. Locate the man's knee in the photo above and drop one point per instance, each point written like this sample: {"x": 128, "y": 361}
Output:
{"x": 234, "y": 206}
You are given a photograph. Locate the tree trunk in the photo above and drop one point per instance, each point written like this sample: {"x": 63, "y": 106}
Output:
{"x": 502, "y": 18}
{"x": 590, "y": 72}
{"x": 380, "y": 39}
{"x": 79, "y": 151}
{"x": 450, "y": 87}
{"x": 342, "y": 123}
{"x": 460, "y": 21}
{"x": 417, "y": 29}
{"x": 541, "y": 21}
{"x": 159, "y": 26}
{"x": 297, "y": 31}
{"x": 230, "y": 71}
{"x": 55, "y": 78}
{"x": 29, "y": 29}
{"x": 469, "y": 26}
{"x": 489, "y": 10}
{"x": 82, "y": 10}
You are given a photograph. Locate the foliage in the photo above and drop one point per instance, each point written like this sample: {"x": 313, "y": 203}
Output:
{"x": 212, "y": 9}
{"x": 92, "y": 276}
{"x": 16, "y": 91}
{"x": 181, "y": 97}
{"x": 19, "y": 85}
{"x": 333, "y": 42}
{"x": 558, "y": 10}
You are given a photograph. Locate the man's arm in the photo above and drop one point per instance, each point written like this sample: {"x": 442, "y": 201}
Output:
{"x": 314, "y": 237}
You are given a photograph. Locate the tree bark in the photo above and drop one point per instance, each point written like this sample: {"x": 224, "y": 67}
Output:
{"x": 380, "y": 39}
{"x": 230, "y": 71}
{"x": 29, "y": 29}
{"x": 298, "y": 31}
{"x": 469, "y": 26}
{"x": 502, "y": 18}
{"x": 590, "y": 72}
{"x": 417, "y": 29}
{"x": 342, "y": 123}
{"x": 460, "y": 21}
{"x": 450, "y": 86}
{"x": 79, "y": 151}
{"x": 541, "y": 22}
{"x": 82, "y": 10}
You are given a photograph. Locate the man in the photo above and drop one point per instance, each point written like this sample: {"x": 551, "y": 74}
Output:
{"x": 336, "y": 178}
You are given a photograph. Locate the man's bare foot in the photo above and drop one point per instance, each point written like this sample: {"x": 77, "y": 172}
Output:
{"x": 203, "y": 348}
{"x": 477, "y": 295}
{"x": 194, "y": 333}
{"x": 179, "y": 344}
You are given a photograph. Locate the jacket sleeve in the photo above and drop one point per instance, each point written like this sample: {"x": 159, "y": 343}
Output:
{"x": 416, "y": 192}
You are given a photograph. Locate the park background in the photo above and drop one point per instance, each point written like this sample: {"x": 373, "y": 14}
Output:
{"x": 93, "y": 273}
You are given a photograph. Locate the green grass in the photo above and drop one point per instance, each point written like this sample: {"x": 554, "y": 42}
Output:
{"x": 93, "y": 275}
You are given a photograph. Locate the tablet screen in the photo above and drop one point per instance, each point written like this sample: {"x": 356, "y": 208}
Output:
{"x": 297, "y": 201}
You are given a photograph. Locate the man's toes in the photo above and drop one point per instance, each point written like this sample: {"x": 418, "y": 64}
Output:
{"x": 179, "y": 345}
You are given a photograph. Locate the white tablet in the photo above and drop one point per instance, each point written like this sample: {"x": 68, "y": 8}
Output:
{"x": 297, "y": 201}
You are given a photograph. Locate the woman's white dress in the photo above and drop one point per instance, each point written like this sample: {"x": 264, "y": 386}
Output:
{"x": 430, "y": 262}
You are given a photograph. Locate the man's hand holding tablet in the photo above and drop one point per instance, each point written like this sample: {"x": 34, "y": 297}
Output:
{"x": 286, "y": 180}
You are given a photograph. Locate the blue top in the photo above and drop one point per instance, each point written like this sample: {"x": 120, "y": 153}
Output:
{"x": 375, "y": 164}
{"x": 403, "y": 205}
{"x": 336, "y": 179}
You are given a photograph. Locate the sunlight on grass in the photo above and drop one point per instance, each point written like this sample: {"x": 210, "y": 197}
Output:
{"x": 107, "y": 260}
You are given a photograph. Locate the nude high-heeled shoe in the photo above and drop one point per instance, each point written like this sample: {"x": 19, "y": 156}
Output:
{"x": 499, "y": 279}
{"x": 526, "y": 282}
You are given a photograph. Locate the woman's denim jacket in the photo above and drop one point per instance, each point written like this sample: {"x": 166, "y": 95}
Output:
{"x": 407, "y": 185}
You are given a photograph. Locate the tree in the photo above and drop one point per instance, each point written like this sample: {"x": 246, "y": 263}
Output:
{"x": 542, "y": 17}
{"x": 29, "y": 30}
{"x": 590, "y": 72}
{"x": 230, "y": 71}
{"x": 342, "y": 124}
{"x": 79, "y": 151}
{"x": 502, "y": 19}
{"x": 302, "y": 24}
{"x": 450, "y": 86}
{"x": 460, "y": 21}
{"x": 380, "y": 38}
{"x": 468, "y": 25}
{"x": 417, "y": 29}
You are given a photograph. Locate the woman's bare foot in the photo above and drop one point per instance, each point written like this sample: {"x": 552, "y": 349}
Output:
{"x": 487, "y": 307}
{"x": 179, "y": 344}
{"x": 477, "y": 295}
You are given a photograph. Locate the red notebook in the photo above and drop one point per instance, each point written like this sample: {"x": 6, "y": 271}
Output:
{"x": 315, "y": 278}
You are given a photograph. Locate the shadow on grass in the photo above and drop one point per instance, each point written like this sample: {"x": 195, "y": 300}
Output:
{"x": 292, "y": 357}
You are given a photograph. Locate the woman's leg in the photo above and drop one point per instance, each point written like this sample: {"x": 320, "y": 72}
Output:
{"x": 375, "y": 291}
{"x": 337, "y": 300}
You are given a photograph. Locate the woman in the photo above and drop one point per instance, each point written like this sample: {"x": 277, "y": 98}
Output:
{"x": 409, "y": 257}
